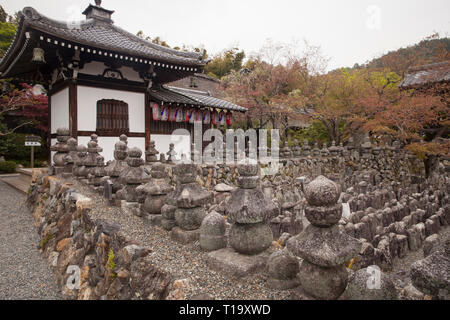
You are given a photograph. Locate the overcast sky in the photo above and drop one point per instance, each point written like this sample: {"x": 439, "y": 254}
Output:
{"x": 348, "y": 31}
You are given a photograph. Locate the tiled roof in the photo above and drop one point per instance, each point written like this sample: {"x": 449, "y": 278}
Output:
{"x": 208, "y": 100}
{"x": 191, "y": 97}
{"x": 106, "y": 36}
{"x": 427, "y": 74}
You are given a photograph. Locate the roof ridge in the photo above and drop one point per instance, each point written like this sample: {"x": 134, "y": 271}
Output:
{"x": 32, "y": 14}
{"x": 189, "y": 90}
{"x": 192, "y": 55}
{"x": 184, "y": 95}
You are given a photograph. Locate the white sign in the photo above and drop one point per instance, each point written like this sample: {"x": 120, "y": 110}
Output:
{"x": 32, "y": 144}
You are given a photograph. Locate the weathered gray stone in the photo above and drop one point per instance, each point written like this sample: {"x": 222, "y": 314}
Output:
{"x": 326, "y": 247}
{"x": 414, "y": 241}
{"x": 212, "y": 232}
{"x": 432, "y": 274}
{"x": 189, "y": 218}
{"x": 370, "y": 284}
{"x": 251, "y": 238}
{"x": 431, "y": 244}
{"x": 322, "y": 192}
{"x": 326, "y": 283}
{"x": 184, "y": 236}
{"x": 229, "y": 261}
{"x": 283, "y": 269}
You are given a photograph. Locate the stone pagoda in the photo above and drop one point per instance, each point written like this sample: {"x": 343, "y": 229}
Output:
{"x": 322, "y": 246}
{"x": 118, "y": 165}
{"x": 62, "y": 150}
{"x": 72, "y": 156}
{"x": 79, "y": 171}
{"x": 156, "y": 191}
{"x": 151, "y": 153}
{"x": 93, "y": 150}
{"x": 132, "y": 177}
{"x": 249, "y": 212}
{"x": 191, "y": 199}
{"x": 171, "y": 154}
{"x": 297, "y": 150}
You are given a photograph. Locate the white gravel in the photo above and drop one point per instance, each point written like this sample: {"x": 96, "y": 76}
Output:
{"x": 24, "y": 274}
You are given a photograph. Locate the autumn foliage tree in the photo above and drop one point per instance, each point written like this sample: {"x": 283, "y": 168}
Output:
{"x": 29, "y": 107}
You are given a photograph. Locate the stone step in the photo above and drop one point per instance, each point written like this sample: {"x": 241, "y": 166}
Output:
{"x": 20, "y": 181}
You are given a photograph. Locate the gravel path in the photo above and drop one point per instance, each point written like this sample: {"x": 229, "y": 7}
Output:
{"x": 24, "y": 274}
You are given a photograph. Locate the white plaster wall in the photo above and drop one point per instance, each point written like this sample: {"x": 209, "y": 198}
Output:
{"x": 96, "y": 68}
{"x": 87, "y": 107}
{"x": 60, "y": 110}
{"x": 182, "y": 144}
{"x": 107, "y": 143}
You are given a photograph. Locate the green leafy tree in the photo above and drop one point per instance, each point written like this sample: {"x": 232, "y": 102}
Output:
{"x": 7, "y": 32}
{"x": 225, "y": 62}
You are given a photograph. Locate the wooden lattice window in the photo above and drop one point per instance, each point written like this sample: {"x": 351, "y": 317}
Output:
{"x": 112, "y": 117}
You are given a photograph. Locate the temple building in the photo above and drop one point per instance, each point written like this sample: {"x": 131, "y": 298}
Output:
{"x": 102, "y": 79}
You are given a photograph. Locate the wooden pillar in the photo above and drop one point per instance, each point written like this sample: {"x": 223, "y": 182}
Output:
{"x": 148, "y": 114}
{"x": 49, "y": 138}
{"x": 73, "y": 109}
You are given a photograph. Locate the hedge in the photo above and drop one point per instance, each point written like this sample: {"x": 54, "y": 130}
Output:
{"x": 8, "y": 167}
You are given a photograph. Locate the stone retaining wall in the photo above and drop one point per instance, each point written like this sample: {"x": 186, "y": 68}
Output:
{"x": 110, "y": 265}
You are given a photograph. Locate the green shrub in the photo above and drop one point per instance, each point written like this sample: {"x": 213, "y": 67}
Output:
{"x": 12, "y": 147}
{"x": 8, "y": 167}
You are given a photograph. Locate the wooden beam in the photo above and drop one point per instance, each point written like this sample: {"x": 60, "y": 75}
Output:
{"x": 148, "y": 114}
{"x": 49, "y": 139}
{"x": 73, "y": 109}
{"x": 111, "y": 134}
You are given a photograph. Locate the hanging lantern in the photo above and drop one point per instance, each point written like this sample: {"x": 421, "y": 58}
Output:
{"x": 206, "y": 117}
{"x": 222, "y": 118}
{"x": 165, "y": 114}
{"x": 155, "y": 111}
{"x": 191, "y": 116}
{"x": 180, "y": 115}
{"x": 172, "y": 113}
{"x": 198, "y": 116}
{"x": 228, "y": 118}
{"x": 214, "y": 117}
{"x": 186, "y": 114}
{"x": 38, "y": 56}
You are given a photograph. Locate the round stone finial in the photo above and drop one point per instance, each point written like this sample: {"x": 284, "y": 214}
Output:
{"x": 92, "y": 144}
{"x": 120, "y": 146}
{"x": 81, "y": 148}
{"x": 134, "y": 153}
{"x": 98, "y": 3}
{"x": 248, "y": 167}
{"x": 322, "y": 192}
{"x": 62, "y": 132}
{"x": 123, "y": 138}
